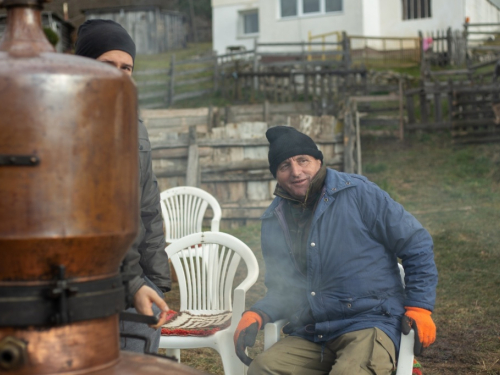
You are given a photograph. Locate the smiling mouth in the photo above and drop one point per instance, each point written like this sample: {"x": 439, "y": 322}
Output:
{"x": 299, "y": 182}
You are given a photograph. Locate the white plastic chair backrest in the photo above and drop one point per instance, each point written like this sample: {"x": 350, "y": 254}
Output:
{"x": 183, "y": 209}
{"x": 206, "y": 264}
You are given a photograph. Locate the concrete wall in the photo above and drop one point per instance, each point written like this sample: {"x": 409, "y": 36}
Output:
{"x": 371, "y": 17}
{"x": 226, "y": 25}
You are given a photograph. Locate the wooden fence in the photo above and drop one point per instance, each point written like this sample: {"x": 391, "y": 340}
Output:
{"x": 467, "y": 111}
{"x": 281, "y": 85}
{"x": 230, "y": 160}
{"x": 481, "y": 43}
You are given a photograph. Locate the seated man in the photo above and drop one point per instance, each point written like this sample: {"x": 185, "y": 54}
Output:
{"x": 107, "y": 41}
{"x": 331, "y": 243}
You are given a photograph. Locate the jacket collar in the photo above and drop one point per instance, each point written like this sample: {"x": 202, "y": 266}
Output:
{"x": 334, "y": 182}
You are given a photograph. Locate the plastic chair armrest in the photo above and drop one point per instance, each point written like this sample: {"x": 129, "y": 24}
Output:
{"x": 272, "y": 332}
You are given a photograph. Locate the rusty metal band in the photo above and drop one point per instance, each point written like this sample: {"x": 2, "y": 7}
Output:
{"x": 63, "y": 302}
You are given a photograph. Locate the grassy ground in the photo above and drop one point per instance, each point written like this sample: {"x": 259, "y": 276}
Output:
{"x": 455, "y": 193}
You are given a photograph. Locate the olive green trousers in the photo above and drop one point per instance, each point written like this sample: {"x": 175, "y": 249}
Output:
{"x": 368, "y": 351}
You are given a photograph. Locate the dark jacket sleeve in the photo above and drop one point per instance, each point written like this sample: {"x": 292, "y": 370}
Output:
{"x": 151, "y": 246}
{"x": 402, "y": 234}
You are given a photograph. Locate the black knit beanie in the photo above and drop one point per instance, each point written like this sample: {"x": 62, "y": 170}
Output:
{"x": 96, "y": 37}
{"x": 285, "y": 142}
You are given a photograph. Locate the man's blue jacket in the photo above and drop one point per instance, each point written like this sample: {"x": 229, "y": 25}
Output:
{"x": 357, "y": 235}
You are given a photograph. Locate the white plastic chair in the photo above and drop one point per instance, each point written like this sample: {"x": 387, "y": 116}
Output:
{"x": 206, "y": 264}
{"x": 272, "y": 333}
{"x": 183, "y": 209}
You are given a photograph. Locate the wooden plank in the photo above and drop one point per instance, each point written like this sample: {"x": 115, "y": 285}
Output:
{"x": 152, "y": 95}
{"x": 173, "y": 113}
{"x": 176, "y": 153}
{"x": 431, "y": 126}
{"x": 190, "y": 72}
{"x": 237, "y": 176}
{"x": 394, "y": 121}
{"x": 161, "y": 82}
{"x": 203, "y": 60}
{"x": 373, "y": 98}
{"x": 194, "y": 81}
{"x": 451, "y": 72}
{"x": 151, "y": 72}
{"x": 191, "y": 94}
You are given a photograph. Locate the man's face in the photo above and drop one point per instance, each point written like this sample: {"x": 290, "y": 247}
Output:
{"x": 119, "y": 59}
{"x": 296, "y": 173}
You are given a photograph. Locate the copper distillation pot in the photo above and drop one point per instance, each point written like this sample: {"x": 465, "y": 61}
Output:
{"x": 68, "y": 207}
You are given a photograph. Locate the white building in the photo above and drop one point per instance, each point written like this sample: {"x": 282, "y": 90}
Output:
{"x": 242, "y": 22}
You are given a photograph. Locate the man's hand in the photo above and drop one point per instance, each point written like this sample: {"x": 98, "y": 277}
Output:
{"x": 143, "y": 303}
{"x": 245, "y": 334}
{"x": 421, "y": 322}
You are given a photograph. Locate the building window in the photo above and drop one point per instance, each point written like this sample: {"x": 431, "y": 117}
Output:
{"x": 413, "y": 9}
{"x": 289, "y": 8}
{"x": 333, "y": 6}
{"x": 310, "y": 6}
{"x": 297, "y": 8}
{"x": 250, "y": 22}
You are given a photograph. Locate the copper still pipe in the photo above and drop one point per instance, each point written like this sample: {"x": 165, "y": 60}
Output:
{"x": 68, "y": 206}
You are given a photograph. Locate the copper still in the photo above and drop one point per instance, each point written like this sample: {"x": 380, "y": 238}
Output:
{"x": 68, "y": 206}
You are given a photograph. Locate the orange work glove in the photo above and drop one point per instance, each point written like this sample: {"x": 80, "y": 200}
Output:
{"x": 246, "y": 333}
{"x": 425, "y": 330}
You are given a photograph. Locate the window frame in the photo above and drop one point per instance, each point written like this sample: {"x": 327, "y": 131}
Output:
{"x": 241, "y": 23}
{"x": 301, "y": 14}
{"x": 412, "y": 9}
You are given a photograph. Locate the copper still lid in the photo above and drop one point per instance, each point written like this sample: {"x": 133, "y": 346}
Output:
{"x": 68, "y": 206}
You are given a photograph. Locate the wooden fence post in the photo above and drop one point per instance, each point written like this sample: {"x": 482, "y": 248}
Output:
{"x": 255, "y": 65}
{"x": 266, "y": 111}
{"x": 450, "y": 100}
{"x": 346, "y": 49}
{"x": 349, "y": 139}
{"x": 466, "y": 37}
{"x": 216, "y": 73}
{"x": 210, "y": 118}
{"x": 449, "y": 46}
{"x": 423, "y": 103}
{"x": 172, "y": 81}
{"x": 422, "y": 54}
{"x": 401, "y": 108}
{"x": 193, "y": 173}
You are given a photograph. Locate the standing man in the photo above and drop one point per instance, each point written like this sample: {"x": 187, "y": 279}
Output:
{"x": 331, "y": 243}
{"x": 109, "y": 42}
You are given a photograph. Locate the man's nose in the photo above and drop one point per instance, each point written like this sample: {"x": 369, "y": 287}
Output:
{"x": 296, "y": 169}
